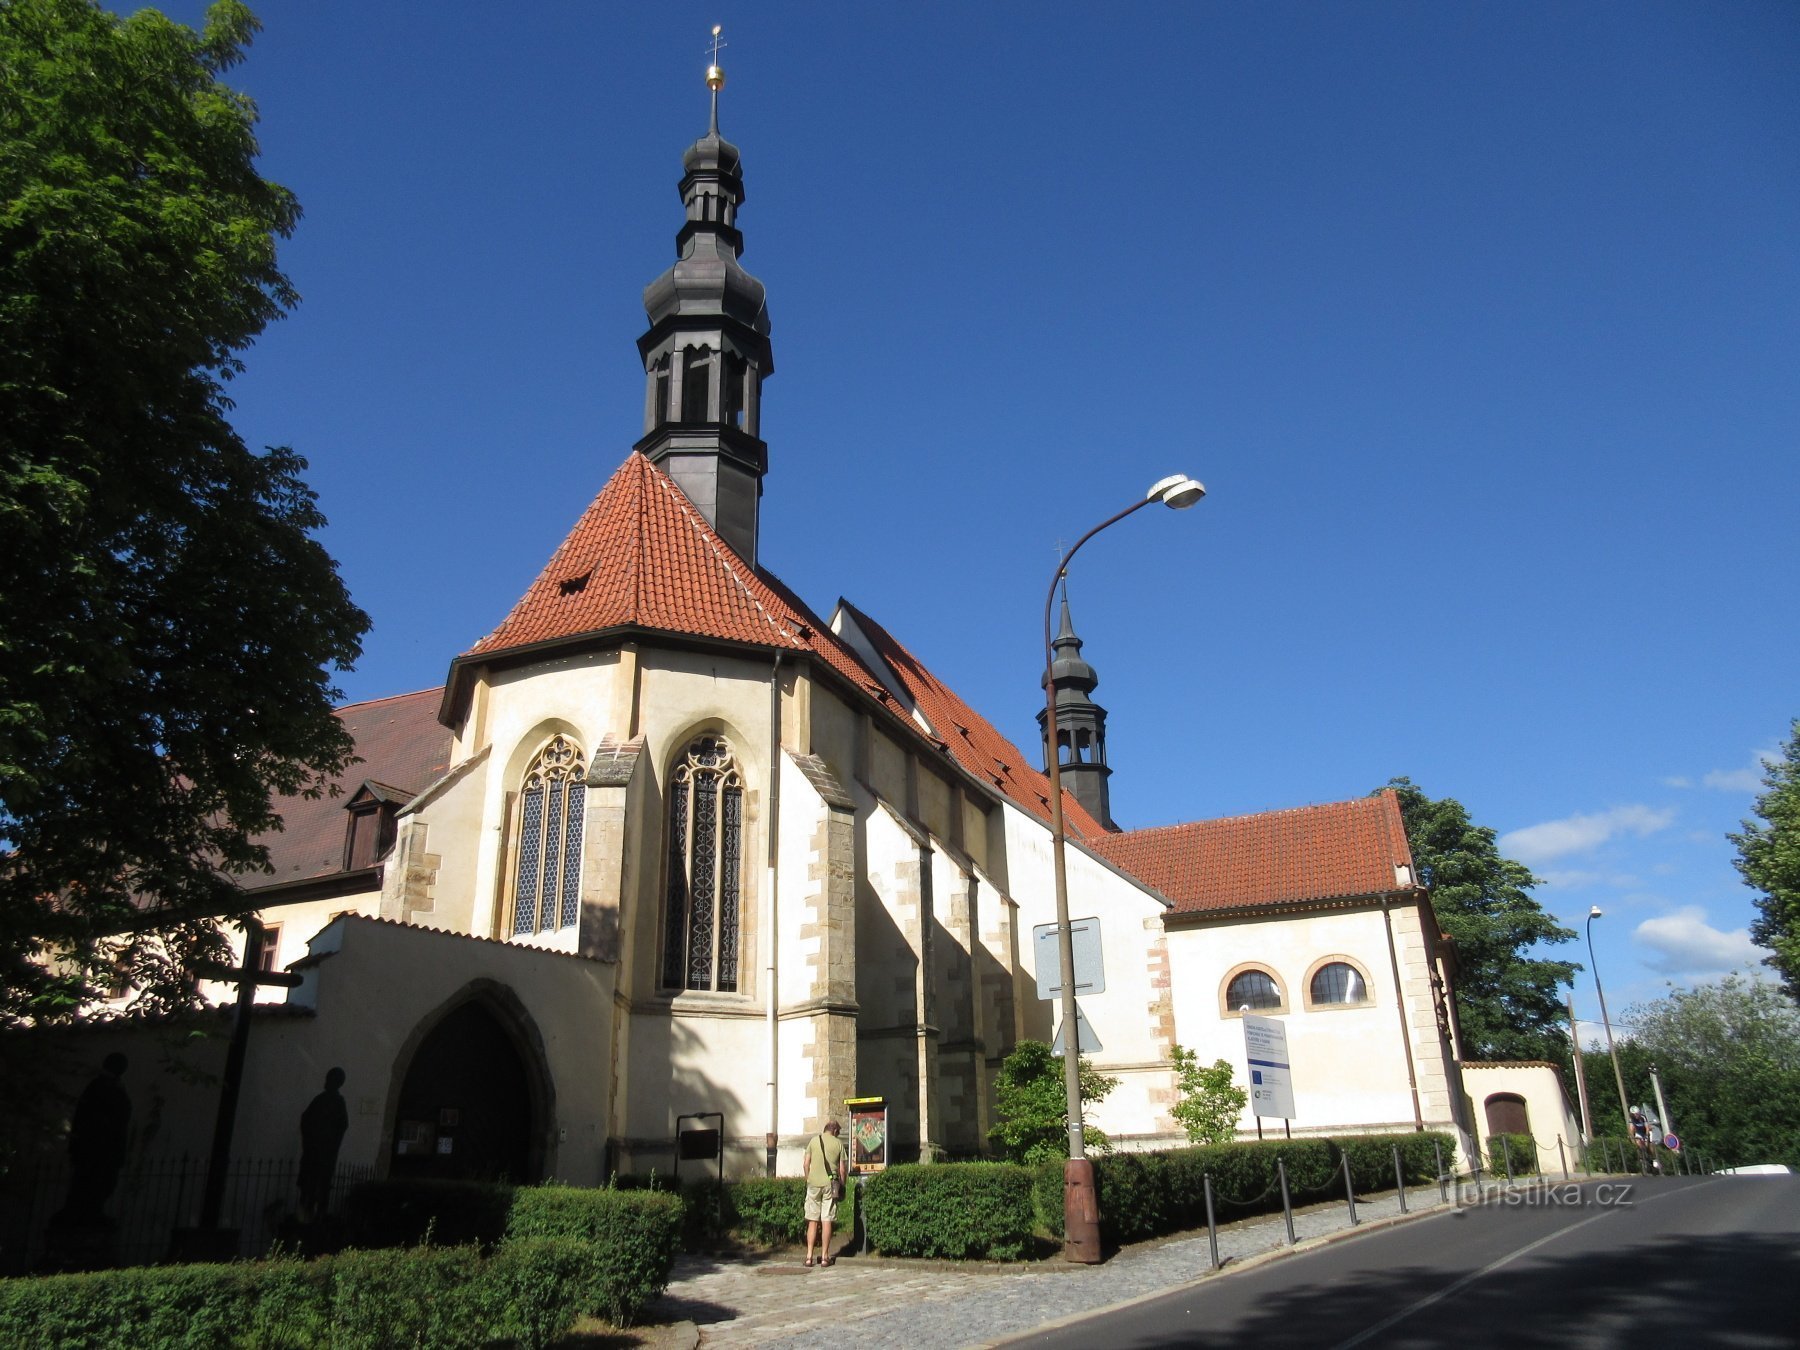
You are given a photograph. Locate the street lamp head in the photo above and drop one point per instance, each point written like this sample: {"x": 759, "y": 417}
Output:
{"x": 1596, "y": 912}
{"x": 1176, "y": 491}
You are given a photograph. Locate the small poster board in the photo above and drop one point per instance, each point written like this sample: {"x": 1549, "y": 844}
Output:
{"x": 868, "y": 1133}
{"x": 1271, "y": 1082}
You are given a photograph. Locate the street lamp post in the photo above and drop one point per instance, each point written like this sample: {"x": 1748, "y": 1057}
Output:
{"x": 1081, "y": 1214}
{"x": 1611, "y": 1049}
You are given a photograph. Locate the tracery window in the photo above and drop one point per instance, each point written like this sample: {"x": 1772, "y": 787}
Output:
{"x": 1254, "y": 989}
{"x": 1338, "y": 982}
{"x": 704, "y": 853}
{"x": 547, "y": 884}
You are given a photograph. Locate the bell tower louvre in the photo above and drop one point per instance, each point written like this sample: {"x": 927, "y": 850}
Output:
{"x": 707, "y": 350}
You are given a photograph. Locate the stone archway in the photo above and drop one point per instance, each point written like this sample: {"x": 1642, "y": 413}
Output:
{"x": 471, "y": 1097}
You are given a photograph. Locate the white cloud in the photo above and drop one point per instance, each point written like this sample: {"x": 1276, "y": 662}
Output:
{"x": 1579, "y": 878}
{"x": 1677, "y": 781}
{"x": 1747, "y": 779}
{"x": 1684, "y": 943}
{"x": 1582, "y": 833}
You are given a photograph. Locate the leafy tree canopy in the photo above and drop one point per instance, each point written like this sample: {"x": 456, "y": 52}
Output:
{"x": 1031, "y": 1107}
{"x": 1769, "y": 859}
{"x": 167, "y": 618}
{"x": 1208, "y": 1101}
{"x": 1729, "y": 1058}
{"x": 1508, "y": 1002}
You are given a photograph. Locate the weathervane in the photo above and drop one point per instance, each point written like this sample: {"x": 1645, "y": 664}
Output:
{"x": 715, "y": 75}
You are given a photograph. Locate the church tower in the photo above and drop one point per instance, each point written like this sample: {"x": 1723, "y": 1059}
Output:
{"x": 1080, "y": 724}
{"x": 707, "y": 351}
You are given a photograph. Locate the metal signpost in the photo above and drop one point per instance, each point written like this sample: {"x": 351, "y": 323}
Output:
{"x": 1090, "y": 977}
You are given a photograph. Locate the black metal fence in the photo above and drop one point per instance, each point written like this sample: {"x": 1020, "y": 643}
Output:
{"x": 154, "y": 1198}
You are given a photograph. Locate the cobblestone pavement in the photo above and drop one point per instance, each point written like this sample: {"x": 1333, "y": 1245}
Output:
{"x": 875, "y": 1301}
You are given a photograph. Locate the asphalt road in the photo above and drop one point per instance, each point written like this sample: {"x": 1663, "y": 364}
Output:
{"x": 1672, "y": 1263}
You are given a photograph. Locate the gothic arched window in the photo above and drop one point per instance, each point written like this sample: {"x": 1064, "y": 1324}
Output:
{"x": 704, "y": 851}
{"x": 547, "y": 884}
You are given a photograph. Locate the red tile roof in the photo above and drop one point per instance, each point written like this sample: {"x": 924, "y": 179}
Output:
{"x": 972, "y": 741}
{"x": 402, "y": 747}
{"x": 642, "y": 556}
{"x": 1309, "y": 853}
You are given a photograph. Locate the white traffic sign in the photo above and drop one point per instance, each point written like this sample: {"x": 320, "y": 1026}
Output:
{"x": 1086, "y": 1042}
{"x": 1271, "y": 1086}
{"x": 1090, "y": 971}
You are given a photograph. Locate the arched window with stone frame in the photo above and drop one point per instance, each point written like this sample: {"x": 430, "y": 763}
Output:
{"x": 703, "y": 884}
{"x": 549, "y": 820}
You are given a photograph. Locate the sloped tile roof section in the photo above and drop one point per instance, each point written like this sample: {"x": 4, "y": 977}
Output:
{"x": 402, "y": 748}
{"x": 1310, "y": 853}
{"x": 642, "y": 557}
{"x": 971, "y": 740}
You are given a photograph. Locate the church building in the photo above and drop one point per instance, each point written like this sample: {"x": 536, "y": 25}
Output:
{"x": 670, "y": 842}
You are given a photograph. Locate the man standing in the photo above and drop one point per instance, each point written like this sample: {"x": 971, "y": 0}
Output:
{"x": 826, "y": 1161}
{"x": 98, "y": 1138}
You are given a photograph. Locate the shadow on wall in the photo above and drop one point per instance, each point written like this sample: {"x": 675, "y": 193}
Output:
{"x": 887, "y": 1019}
{"x": 687, "y": 1090}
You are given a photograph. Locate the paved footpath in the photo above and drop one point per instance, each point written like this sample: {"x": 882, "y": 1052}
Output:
{"x": 876, "y": 1301}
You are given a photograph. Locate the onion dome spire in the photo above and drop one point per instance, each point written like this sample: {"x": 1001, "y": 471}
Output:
{"x": 707, "y": 350}
{"x": 1080, "y": 722}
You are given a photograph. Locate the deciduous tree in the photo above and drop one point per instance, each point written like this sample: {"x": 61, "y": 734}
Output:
{"x": 1031, "y": 1105}
{"x": 1769, "y": 859}
{"x": 168, "y": 619}
{"x": 1508, "y": 1003}
{"x": 1208, "y": 1103}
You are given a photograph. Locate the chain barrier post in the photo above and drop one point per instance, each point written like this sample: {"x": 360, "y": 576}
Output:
{"x": 1437, "y": 1151}
{"x": 1399, "y": 1179}
{"x": 1350, "y": 1191}
{"x": 1563, "y": 1153}
{"x": 1287, "y": 1204}
{"x": 1212, "y": 1223}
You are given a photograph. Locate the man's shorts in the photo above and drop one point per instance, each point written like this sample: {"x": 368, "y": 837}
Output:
{"x": 820, "y": 1204}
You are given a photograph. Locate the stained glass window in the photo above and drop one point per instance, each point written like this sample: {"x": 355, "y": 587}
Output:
{"x": 704, "y": 861}
{"x": 547, "y": 883}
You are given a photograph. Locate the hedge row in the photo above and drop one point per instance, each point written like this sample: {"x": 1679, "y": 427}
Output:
{"x": 1144, "y": 1195}
{"x": 956, "y": 1210}
{"x": 526, "y": 1293}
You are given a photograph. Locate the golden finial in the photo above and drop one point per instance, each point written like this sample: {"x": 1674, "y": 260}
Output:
{"x": 715, "y": 74}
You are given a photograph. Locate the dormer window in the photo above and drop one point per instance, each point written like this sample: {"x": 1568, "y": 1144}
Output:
{"x": 374, "y": 809}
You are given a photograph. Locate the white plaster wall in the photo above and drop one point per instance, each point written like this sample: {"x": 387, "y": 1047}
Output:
{"x": 454, "y": 819}
{"x": 1546, "y": 1105}
{"x": 1349, "y": 1064}
{"x": 300, "y": 922}
{"x": 1120, "y": 1017}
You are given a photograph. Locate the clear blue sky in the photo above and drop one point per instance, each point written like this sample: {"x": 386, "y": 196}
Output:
{"x": 1478, "y": 320}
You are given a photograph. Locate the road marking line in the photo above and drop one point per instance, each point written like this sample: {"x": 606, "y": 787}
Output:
{"x": 1467, "y": 1280}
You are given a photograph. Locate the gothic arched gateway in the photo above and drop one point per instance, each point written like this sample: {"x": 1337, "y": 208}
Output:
{"x": 473, "y": 1097}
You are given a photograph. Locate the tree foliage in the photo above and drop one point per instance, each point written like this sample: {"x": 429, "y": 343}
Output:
{"x": 1769, "y": 860}
{"x": 1508, "y": 1004}
{"x": 1031, "y": 1108}
{"x": 1208, "y": 1103}
{"x": 1729, "y": 1058}
{"x": 167, "y": 618}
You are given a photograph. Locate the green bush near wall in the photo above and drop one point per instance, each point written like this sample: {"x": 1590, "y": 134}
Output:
{"x": 1144, "y": 1195}
{"x": 537, "y": 1257}
{"x": 760, "y": 1212}
{"x": 1517, "y": 1151}
{"x": 955, "y": 1210}
{"x": 527, "y": 1294}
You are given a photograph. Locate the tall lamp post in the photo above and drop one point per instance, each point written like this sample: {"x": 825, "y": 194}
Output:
{"x": 1081, "y": 1214}
{"x": 1611, "y": 1049}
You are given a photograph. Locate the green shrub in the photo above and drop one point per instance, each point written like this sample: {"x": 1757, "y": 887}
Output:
{"x": 408, "y": 1296}
{"x": 404, "y": 1213}
{"x": 1031, "y": 1105}
{"x": 152, "y": 1308}
{"x": 634, "y": 1236}
{"x": 1372, "y": 1157}
{"x": 954, "y": 1210}
{"x": 1521, "y": 1149}
{"x": 289, "y": 1304}
{"x": 531, "y": 1290}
